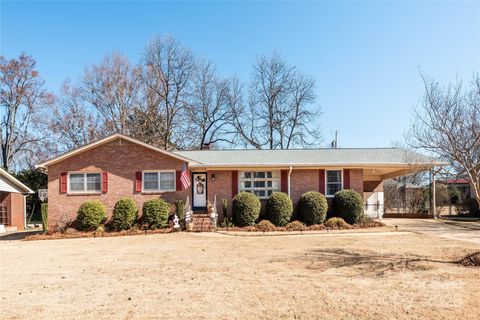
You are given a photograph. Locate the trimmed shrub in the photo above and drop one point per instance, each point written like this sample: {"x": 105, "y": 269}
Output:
{"x": 265, "y": 225}
{"x": 155, "y": 213}
{"x": 44, "y": 212}
{"x": 90, "y": 215}
{"x": 348, "y": 205}
{"x": 312, "y": 208}
{"x": 124, "y": 214}
{"x": 295, "y": 226}
{"x": 246, "y": 209}
{"x": 279, "y": 209}
{"x": 336, "y": 223}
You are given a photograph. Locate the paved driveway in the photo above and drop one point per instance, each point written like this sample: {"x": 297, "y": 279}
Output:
{"x": 466, "y": 231}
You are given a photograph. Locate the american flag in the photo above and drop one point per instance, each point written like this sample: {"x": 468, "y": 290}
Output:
{"x": 185, "y": 176}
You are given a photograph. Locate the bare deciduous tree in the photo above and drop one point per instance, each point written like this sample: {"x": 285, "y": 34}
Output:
{"x": 167, "y": 73}
{"x": 112, "y": 87}
{"x": 280, "y": 111}
{"x": 21, "y": 97}
{"x": 71, "y": 125}
{"x": 209, "y": 113}
{"x": 448, "y": 125}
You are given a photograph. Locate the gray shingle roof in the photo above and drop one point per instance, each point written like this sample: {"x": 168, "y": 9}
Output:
{"x": 308, "y": 157}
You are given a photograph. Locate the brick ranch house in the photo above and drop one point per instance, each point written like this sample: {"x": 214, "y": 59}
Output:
{"x": 12, "y": 202}
{"x": 118, "y": 166}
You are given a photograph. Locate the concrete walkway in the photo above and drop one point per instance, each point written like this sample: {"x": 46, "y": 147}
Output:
{"x": 465, "y": 231}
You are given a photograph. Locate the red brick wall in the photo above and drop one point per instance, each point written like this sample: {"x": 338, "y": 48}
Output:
{"x": 356, "y": 180}
{"x": 17, "y": 210}
{"x": 222, "y": 188}
{"x": 14, "y": 202}
{"x": 121, "y": 161}
{"x": 302, "y": 181}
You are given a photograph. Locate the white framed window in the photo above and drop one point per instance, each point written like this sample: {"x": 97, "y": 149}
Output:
{"x": 159, "y": 181}
{"x": 84, "y": 182}
{"x": 333, "y": 182}
{"x": 260, "y": 183}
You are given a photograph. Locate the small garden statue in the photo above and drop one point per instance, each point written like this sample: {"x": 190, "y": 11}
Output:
{"x": 175, "y": 220}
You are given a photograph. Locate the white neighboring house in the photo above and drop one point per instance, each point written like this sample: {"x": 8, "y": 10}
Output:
{"x": 13, "y": 195}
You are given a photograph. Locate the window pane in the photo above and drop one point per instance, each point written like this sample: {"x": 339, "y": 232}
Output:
{"x": 77, "y": 182}
{"x": 150, "y": 181}
{"x": 276, "y": 185}
{"x": 334, "y": 176}
{"x": 259, "y": 193}
{"x": 247, "y": 184}
{"x": 167, "y": 181}
{"x": 260, "y": 175}
{"x": 247, "y": 175}
{"x": 93, "y": 182}
{"x": 259, "y": 184}
{"x": 333, "y": 188}
{"x": 269, "y": 184}
{"x": 270, "y": 192}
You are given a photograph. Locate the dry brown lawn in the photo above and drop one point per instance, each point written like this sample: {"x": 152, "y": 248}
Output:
{"x": 212, "y": 276}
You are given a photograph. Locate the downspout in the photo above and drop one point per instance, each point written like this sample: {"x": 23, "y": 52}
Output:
{"x": 289, "y": 173}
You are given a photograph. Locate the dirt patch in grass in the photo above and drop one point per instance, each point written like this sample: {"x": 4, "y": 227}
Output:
{"x": 212, "y": 276}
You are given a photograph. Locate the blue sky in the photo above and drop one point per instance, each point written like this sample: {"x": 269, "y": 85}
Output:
{"x": 366, "y": 56}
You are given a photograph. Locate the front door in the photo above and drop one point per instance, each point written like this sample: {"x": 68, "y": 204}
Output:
{"x": 199, "y": 190}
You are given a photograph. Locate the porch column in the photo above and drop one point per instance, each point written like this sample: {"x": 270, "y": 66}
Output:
{"x": 433, "y": 202}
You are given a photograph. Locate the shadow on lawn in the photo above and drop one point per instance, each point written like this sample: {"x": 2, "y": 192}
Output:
{"x": 367, "y": 263}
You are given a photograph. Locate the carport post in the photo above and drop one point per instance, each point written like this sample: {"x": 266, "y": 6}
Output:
{"x": 433, "y": 202}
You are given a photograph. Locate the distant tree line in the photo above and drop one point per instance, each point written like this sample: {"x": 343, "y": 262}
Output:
{"x": 171, "y": 98}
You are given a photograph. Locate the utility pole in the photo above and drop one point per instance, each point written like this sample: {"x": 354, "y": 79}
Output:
{"x": 334, "y": 143}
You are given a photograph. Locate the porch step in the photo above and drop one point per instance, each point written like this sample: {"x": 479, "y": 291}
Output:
{"x": 201, "y": 222}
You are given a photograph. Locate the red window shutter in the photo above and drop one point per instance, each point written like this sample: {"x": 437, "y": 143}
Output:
{"x": 346, "y": 178}
{"x": 178, "y": 178}
{"x": 321, "y": 181}
{"x": 234, "y": 183}
{"x": 284, "y": 181}
{"x": 138, "y": 181}
{"x": 63, "y": 182}
{"x": 104, "y": 182}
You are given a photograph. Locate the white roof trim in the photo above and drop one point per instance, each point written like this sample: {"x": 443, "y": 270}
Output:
{"x": 112, "y": 137}
{"x": 15, "y": 181}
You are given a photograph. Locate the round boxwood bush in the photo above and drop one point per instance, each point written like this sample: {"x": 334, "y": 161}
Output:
{"x": 279, "y": 209}
{"x": 90, "y": 215}
{"x": 155, "y": 213}
{"x": 246, "y": 209}
{"x": 348, "y": 205}
{"x": 312, "y": 208}
{"x": 124, "y": 214}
